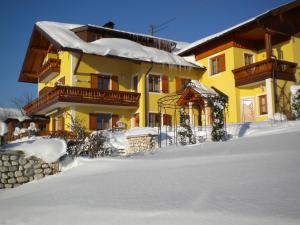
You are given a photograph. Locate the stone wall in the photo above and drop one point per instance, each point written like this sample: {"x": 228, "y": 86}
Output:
{"x": 15, "y": 169}
{"x": 139, "y": 143}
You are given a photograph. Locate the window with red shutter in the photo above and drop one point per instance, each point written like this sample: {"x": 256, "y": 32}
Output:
{"x": 94, "y": 81}
{"x": 114, "y": 120}
{"x": 114, "y": 83}
{"x": 217, "y": 64}
{"x": 178, "y": 83}
{"x": 93, "y": 121}
{"x": 167, "y": 120}
{"x": 165, "y": 84}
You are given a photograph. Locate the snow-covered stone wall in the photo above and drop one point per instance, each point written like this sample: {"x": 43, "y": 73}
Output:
{"x": 139, "y": 143}
{"x": 16, "y": 169}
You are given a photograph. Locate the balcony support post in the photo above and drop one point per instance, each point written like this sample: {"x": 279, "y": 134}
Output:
{"x": 270, "y": 97}
{"x": 268, "y": 45}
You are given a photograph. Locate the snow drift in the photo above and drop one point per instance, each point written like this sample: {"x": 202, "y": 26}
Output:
{"x": 50, "y": 150}
{"x": 247, "y": 181}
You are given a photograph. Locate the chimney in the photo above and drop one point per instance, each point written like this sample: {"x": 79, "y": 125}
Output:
{"x": 109, "y": 24}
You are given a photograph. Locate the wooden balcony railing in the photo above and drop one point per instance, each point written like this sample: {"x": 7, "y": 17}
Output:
{"x": 49, "y": 70}
{"x": 83, "y": 95}
{"x": 265, "y": 69}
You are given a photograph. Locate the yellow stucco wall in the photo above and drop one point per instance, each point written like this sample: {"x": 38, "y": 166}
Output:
{"x": 223, "y": 81}
{"x": 125, "y": 70}
{"x": 234, "y": 58}
{"x": 65, "y": 70}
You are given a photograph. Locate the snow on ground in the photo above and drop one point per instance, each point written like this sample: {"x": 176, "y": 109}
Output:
{"x": 47, "y": 149}
{"x": 253, "y": 180}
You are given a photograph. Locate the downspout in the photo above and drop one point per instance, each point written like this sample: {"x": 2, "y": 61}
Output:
{"x": 146, "y": 94}
{"x": 275, "y": 83}
{"x": 270, "y": 57}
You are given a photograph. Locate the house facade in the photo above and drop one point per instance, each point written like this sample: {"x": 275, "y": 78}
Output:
{"x": 101, "y": 75}
{"x": 254, "y": 63}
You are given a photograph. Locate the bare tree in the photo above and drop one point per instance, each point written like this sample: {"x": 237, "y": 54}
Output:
{"x": 23, "y": 100}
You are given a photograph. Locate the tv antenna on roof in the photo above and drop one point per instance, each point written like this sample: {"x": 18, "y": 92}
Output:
{"x": 153, "y": 29}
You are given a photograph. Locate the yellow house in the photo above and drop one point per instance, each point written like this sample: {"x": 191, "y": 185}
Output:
{"x": 253, "y": 63}
{"x": 101, "y": 75}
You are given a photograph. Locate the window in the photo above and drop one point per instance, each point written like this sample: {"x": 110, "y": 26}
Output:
{"x": 154, "y": 119}
{"x": 167, "y": 120}
{"x": 154, "y": 83}
{"x": 103, "y": 121}
{"x": 217, "y": 64}
{"x": 263, "y": 107}
{"x": 103, "y": 82}
{"x": 184, "y": 82}
{"x": 58, "y": 123}
{"x": 135, "y": 83}
{"x": 248, "y": 59}
{"x": 181, "y": 83}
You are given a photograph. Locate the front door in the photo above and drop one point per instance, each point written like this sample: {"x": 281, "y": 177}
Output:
{"x": 247, "y": 109}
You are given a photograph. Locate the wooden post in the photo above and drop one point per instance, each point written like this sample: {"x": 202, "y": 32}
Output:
{"x": 268, "y": 45}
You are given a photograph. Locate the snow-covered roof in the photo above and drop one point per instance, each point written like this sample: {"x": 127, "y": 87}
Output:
{"x": 221, "y": 33}
{"x": 127, "y": 32}
{"x": 12, "y": 113}
{"x": 201, "y": 88}
{"x": 63, "y": 36}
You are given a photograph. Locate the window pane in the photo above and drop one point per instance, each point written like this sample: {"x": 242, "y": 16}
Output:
{"x": 99, "y": 121}
{"x": 100, "y": 83}
{"x": 105, "y": 84}
{"x": 150, "y": 84}
{"x": 214, "y": 66}
{"x": 156, "y": 88}
{"x": 106, "y": 121}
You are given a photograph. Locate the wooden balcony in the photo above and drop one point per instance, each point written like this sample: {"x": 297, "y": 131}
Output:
{"x": 49, "y": 70}
{"x": 60, "y": 95}
{"x": 265, "y": 69}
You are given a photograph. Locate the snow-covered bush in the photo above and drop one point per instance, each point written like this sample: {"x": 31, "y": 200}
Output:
{"x": 279, "y": 117}
{"x": 184, "y": 131}
{"x": 3, "y": 131}
{"x": 217, "y": 104}
{"x": 17, "y": 131}
{"x": 94, "y": 145}
{"x": 32, "y": 130}
{"x": 295, "y": 101}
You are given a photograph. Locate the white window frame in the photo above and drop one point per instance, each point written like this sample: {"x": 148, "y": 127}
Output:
{"x": 258, "y": 107}
{"x": 160, "y": 83}
{"x": 249, "y": 53}
{"x": 209, "y": 65}
{"x": 241, "y": 110}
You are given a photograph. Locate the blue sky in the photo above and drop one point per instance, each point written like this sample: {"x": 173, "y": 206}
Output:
{"x": 194, "y": 19}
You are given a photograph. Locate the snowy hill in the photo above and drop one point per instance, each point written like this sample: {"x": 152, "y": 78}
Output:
{"x": 252, "y": 180}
